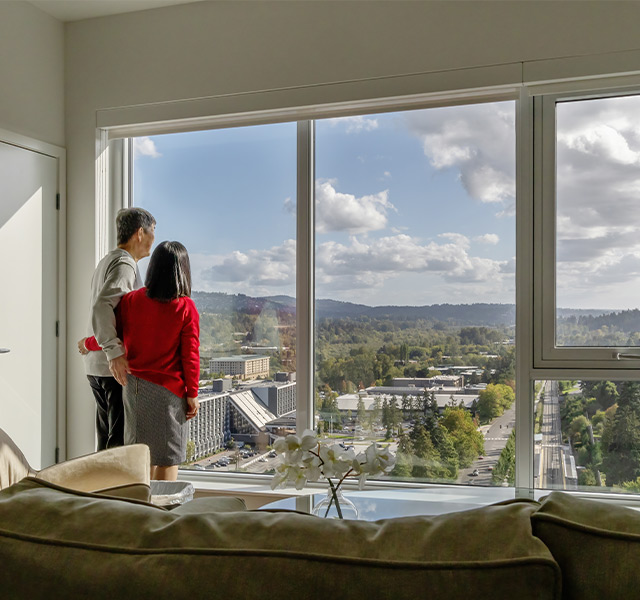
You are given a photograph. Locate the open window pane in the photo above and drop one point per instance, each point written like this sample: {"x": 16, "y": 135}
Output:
{"x": 597, "y": 222}
{"x": 587, "y": 435}
{"x": 415, "y": 287}
{"x": 229, "y": 196}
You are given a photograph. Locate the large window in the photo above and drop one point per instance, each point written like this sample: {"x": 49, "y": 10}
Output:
{"x": 415, "y": 287}
{"x": 229, "y": 196}
{"x": 410, "y": 286}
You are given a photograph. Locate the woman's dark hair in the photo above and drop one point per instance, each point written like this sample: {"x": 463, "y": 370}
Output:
{"x": 169, "y": 273}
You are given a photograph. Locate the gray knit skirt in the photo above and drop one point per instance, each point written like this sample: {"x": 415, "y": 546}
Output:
{"x": 155, "y": 416}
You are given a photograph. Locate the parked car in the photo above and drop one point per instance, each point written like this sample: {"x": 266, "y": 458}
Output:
{"x": 475, "y": 473}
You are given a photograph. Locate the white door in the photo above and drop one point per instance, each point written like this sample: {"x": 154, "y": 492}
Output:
{"x": 28, "y": 302}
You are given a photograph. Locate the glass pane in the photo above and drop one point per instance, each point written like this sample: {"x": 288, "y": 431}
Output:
{"x": 415, "y": 280}
{"x": 587, "y": 436}
{"x": 229, "y": 196}
{"x": 598, "y": 201}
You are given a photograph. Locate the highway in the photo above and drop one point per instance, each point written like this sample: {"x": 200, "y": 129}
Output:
{"x": 551, "y": 451}
{"x": 555, "y": 460}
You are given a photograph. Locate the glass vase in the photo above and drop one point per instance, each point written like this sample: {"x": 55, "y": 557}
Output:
{"x": 335, "y": 506}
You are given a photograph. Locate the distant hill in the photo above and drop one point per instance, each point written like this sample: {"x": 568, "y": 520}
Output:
{"x": 627, "y": 321}
{"x": 452, "y": 314}
{"x": 479, "y": 314}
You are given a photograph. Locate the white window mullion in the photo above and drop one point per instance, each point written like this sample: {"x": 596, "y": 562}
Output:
{"x": 524, "y": 294}
{"x": 305, "y": 267}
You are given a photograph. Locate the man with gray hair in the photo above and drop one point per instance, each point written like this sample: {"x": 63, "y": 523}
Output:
{"x": 116, "y": 274}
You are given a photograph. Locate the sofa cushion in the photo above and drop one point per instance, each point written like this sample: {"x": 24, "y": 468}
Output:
{"x": 85, "y": 546}
{"x": 121, "y": 471}
{"x": 597, "y": 545}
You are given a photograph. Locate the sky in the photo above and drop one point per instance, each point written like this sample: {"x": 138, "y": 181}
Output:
{"x": 412, "y": 207}
{"x": 598, "y": 203}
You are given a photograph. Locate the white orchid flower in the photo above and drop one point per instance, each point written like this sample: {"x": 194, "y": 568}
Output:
{"x": 286, "y": 473}
{"x": 298, "y": 463}
{"x": 376, "y": 460}
{"x": 313, "y": 467}
{"x": 293, "y": 443}
{"x": 336, "y": 460}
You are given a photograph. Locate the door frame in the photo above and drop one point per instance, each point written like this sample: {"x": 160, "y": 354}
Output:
{"x": 60, "y": 155}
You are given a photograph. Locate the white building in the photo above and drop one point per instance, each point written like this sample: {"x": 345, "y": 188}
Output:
{"x": 244, "y": 366}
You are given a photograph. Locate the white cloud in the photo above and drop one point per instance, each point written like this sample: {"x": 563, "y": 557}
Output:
{"x": 361, "y": 264}
{"x": 337, "y": 211}
{"x": 598, "y": 202}
{"x": 377, "y": 260}
{"x": 478, "y": 141}
{"x": 488, "y": 238}
{"x": 355, "y": 124}
{"x": 256, "y": 269}
{"x": 145, "y": 146}
{"x": 602, "y": 141}
{"x": 456, "y": 238}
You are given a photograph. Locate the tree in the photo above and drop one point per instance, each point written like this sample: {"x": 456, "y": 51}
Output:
{"x": 467, "y": 440}
{"x": 375, "y": 412}
{"x": 426, "y": 460}
{"x": 404, "y": 463}
{"x": 505, "y": 468}
{"x": 445, "y": 446}
{"x": 191, "y": 451}
{"x": 578, "y": 430}
{"x": 404, "y": 353}
{"x": 362, "y": 413}
{"x": 606, "y": 394}
{"x": 493, "y": 400}
{"x": 622, "y": 456}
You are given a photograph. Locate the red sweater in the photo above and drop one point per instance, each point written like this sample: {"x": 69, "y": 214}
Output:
{"x": 161, "y": 340}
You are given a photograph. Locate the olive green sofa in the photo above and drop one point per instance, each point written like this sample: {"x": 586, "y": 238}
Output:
{"x": 60, "y": 543}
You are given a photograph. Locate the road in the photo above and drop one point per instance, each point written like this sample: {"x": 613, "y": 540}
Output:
{"x": 495, "y": 439}
{"x": 551, "y": 473}
{"x": 554, "y": 462}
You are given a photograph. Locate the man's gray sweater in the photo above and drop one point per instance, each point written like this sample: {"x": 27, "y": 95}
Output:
{"x": 116, "y": 274}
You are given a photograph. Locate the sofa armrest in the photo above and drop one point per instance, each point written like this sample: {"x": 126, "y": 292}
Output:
{"x": 102, "y": 471}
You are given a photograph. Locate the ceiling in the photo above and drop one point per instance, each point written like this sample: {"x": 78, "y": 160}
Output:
{"x": 75, "y": 10}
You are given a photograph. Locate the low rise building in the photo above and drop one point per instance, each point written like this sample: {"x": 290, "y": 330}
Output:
{"x": 243, "y": 366}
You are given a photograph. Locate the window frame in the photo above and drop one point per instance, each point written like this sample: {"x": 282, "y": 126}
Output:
{"x": 533, "y": 223}
{"x": 547, "y": 355}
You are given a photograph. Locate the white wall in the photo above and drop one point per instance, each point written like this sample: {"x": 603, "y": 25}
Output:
{"x": 31, "y": 73}
{"x": 304, "y": 48}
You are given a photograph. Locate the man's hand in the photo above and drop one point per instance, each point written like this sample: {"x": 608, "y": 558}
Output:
{"x": 192, "y": 410}
{"x": 81, "y": 347}
{"x": 119, "y": 368}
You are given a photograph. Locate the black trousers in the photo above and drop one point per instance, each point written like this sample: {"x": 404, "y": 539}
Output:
{"x": 110, "y": 411}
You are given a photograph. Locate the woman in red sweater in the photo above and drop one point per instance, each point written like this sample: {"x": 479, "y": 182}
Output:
{"x": 159, "y": 325}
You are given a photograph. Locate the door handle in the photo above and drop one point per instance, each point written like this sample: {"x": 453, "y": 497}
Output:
{"x": 4, "y": 350}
